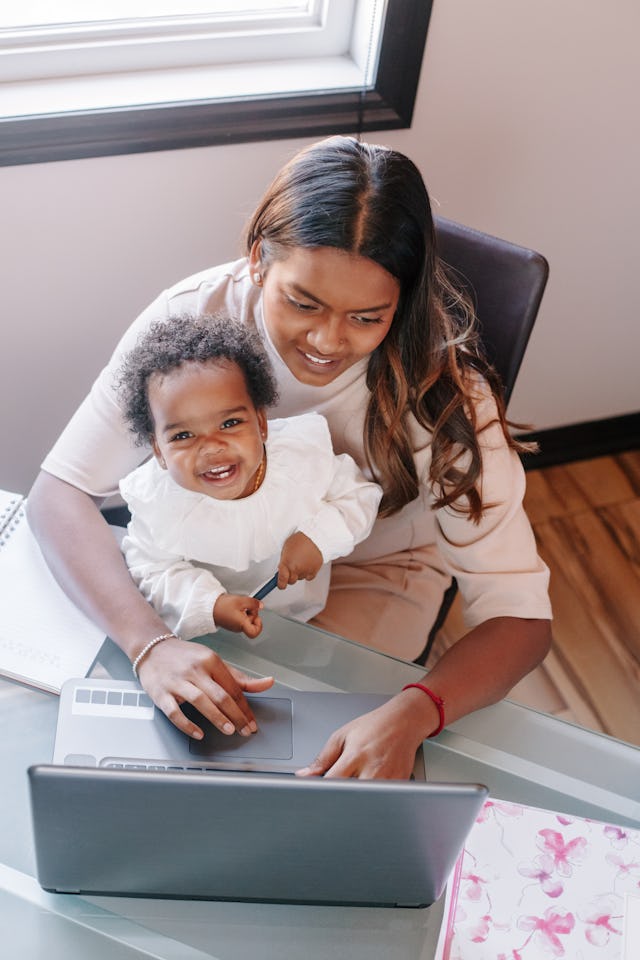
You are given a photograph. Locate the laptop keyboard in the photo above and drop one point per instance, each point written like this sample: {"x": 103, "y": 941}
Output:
{"x": 128, "y": 764}
{"x": 115, "y": 763}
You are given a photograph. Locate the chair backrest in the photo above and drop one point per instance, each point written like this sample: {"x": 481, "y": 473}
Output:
{"x": 506, "y": 283}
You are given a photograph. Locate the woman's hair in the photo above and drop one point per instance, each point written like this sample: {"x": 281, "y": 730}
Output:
{"x": 169, "y": 344}
{"x": 371, "y": 201}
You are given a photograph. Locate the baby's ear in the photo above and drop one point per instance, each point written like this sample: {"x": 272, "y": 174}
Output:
{"x": 157, "y": 454}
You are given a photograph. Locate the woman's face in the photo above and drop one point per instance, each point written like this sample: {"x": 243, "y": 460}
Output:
{"x": 325, "y": 309}
{"x": 208, "y": 434}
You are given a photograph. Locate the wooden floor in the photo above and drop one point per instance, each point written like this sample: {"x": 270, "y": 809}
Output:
{"x": 586, "y": 518}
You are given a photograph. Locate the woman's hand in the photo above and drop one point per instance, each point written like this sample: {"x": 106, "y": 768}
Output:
{"x": 181, "y": 671}
{"x": 380, "y": 745}
{"x": 300, "y": 560}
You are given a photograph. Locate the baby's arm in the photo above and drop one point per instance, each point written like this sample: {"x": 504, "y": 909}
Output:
{"x": 347, "y": 512}
{"x": 182, "y": 593}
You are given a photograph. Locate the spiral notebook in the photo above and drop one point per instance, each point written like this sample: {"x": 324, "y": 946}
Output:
{"x": 44, "y": 637}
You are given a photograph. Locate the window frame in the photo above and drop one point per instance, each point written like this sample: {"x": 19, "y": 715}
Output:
{"x": 384, "y": 105}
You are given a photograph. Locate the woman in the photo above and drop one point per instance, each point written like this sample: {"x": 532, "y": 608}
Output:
{"x": 343, "y": 284}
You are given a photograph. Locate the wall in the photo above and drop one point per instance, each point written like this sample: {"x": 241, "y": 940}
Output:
{"x": 525, "y": 126}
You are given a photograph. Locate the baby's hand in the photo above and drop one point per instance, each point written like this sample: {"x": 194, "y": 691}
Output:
{"x": 300, "y": 560}
{"x": 238, "y": 613}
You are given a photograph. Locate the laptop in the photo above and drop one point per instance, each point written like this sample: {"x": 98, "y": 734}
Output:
{"x": 179, "y": 823}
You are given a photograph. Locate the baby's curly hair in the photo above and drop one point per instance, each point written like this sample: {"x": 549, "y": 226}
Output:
{"x": 168, "y": 344}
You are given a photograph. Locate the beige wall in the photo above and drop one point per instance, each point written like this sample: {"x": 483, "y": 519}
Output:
{"x": 525, "y": 126}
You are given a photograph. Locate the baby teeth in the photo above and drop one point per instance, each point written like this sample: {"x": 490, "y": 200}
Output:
{"x": 220, "y": 472}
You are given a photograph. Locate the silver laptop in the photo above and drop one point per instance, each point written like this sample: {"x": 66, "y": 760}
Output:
{"x": 176, "y": 823}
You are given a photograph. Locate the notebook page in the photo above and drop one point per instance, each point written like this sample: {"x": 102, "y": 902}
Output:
{"x": 44, "y": 638}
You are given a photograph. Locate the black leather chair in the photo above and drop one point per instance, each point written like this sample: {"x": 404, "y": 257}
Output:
{"x": 506, "y": 283}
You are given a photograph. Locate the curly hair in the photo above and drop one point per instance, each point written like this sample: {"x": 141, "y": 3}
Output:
{"x": 168, "y": 344}
{"x": 372, "y": 201}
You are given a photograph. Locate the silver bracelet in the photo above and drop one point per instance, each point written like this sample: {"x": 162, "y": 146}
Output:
{"x": 145, "y": 650}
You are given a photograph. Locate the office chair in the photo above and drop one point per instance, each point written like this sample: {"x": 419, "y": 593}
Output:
{"x": 505, "y": 283}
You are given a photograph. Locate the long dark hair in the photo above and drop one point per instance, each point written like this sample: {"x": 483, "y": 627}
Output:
{"x": 372, "y": 201}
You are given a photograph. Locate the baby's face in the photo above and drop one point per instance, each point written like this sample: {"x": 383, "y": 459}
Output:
{"x": 208, "y": 434}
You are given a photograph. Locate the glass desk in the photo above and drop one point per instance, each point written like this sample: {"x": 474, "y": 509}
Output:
{"x": 521, "y": 755}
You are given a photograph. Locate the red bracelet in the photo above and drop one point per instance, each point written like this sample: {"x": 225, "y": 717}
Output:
{"x": 439, "y": 702}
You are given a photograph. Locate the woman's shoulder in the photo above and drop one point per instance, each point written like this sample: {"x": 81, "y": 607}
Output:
{"x": 225, "y": 286}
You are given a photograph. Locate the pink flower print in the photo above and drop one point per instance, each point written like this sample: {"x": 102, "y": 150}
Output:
{"x": 547, "y": 930}
{"x": 497, "y": 809}
{"x": 626, "y": 870}
{"x": 473, "y": 889}
{"x": 564, "y": 820}
{"x": 491, "y": 808}
{"x": 624, "y": 866}
{"x": 602, "y": 918}
{"x": 479, "y": 932}
{"x": 616, "y": 836}
{"x": 541, "y": 871}
{"x": 564, "y": 854}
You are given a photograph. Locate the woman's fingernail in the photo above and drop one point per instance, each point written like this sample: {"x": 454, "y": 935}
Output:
{"x": 253, "y": 726}
{"x": 228, "y": 728}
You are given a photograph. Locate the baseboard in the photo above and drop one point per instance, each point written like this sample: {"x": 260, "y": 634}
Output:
{"x": 582, "y": 441}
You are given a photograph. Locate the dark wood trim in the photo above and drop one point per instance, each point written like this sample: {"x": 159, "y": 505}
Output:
{"x": 65, "y": 136}
{"x": 583, "y": 441}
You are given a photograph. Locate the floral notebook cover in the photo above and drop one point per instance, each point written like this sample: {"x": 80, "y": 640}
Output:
{"x": 534, "y": 885}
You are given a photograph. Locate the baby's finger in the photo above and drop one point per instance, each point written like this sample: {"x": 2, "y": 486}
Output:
{"x": 252, "y": 627}
{"x": 283, "y": 576}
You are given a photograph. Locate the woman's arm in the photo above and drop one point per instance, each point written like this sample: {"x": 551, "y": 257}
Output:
{"x": 85, "y": 559}
{"x": 480, "y": 669}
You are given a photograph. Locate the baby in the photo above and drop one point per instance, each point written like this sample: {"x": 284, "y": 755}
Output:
{"x": 228, "y": 499}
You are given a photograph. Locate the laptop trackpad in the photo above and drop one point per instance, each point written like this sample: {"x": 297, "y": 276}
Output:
{"x": 273, "y": 741}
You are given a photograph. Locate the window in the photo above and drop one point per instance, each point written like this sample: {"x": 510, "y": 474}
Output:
{"x": 157, "y": 74}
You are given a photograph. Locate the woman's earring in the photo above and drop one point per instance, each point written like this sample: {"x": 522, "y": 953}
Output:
{"x": 257, "y": 278}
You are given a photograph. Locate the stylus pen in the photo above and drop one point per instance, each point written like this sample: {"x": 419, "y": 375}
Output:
{"x": 268, "y": 587}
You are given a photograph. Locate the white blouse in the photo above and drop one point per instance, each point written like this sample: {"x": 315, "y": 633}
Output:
{"x": 184, "y": 549}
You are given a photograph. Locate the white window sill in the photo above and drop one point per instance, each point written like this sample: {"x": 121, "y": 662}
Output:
{"x": 223, "y": 82}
